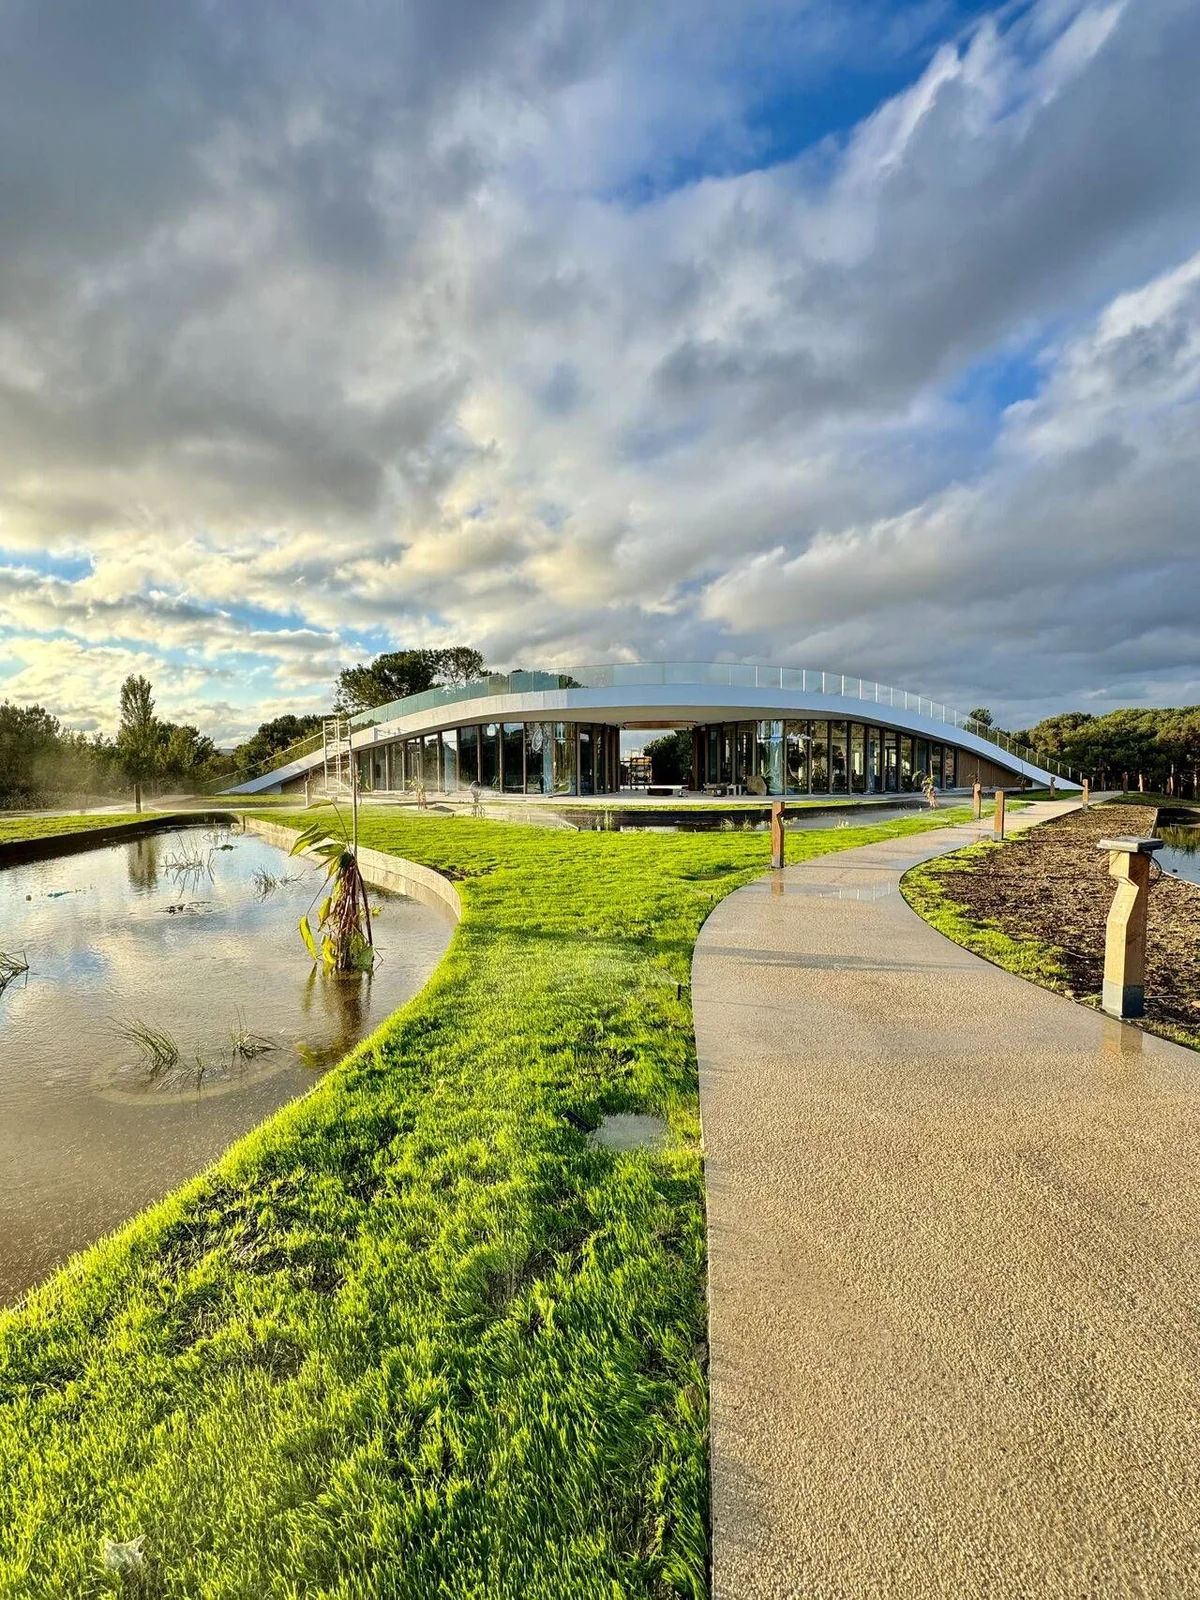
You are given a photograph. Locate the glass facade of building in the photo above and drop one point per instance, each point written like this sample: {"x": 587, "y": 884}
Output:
{"x": 818, "y": 757}
{"x": 562, "y": 758}
{"x": 778, "y": 757}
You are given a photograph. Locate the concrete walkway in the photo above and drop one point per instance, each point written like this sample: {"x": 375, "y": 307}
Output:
{"x": 954, "y": 1230}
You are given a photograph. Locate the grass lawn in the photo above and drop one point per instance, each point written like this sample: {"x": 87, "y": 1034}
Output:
{"x": 929, "y": 890}
{"x": 43, "y": 827}
{"x": 418, "y": 1335}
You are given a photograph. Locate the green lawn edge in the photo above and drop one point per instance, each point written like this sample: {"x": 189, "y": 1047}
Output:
{"x": 17, "y": 828}
{"x": 928, "y": 889}
{"x": 417, "y": 1334}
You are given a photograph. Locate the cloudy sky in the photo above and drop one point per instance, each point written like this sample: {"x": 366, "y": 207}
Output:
{"x": 856, "y": 334}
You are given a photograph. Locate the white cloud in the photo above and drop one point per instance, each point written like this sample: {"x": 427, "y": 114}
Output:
{"x": 407, "y": 326}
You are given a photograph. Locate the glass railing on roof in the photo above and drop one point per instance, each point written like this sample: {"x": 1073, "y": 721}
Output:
{"x": 708, "y": 674}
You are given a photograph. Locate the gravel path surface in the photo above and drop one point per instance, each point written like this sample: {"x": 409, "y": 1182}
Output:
{"x": 954, "y": 1276}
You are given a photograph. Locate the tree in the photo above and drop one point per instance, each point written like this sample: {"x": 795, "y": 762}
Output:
{"x": 399, "y": 673}
{"x": 982, "y": 716}
{"x": 671, "y": 756}
{"x": 137, "y": 737}
{"x": 272, "y": 737}
{"x": 184, "y": 751}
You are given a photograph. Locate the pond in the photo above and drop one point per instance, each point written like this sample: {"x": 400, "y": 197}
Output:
{"x": 195, "y": 933}
{"x": 697, "y": 819}
{"x": 1180, "y": 855}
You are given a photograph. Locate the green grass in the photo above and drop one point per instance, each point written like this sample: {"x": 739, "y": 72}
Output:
{"x": 929, "y": 890}
{"x": 44, "y": 827}
{"x": 417, "y": 1336}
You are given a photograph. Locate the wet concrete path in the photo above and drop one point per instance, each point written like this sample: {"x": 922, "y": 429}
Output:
{"x": 954, "y": 1229}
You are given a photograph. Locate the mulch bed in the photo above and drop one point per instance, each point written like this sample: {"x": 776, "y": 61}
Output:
{"x": 1052, "y": 884}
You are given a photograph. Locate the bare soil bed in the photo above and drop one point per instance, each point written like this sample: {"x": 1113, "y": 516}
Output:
{"x": 1052, "y": 885}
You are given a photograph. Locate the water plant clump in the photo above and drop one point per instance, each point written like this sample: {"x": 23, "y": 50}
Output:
{"x": 343, "y": 940}
{"x": 159, "y": 1049}
{"x": 246, "y": 1045}
{"x": 266, "y": 883}
{"x": 11, "y": 966}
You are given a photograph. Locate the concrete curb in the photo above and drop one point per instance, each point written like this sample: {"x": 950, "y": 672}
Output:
{"x": 381, "y": 870}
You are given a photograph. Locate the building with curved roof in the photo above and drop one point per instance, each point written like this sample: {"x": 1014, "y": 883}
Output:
{"x": 763, "y": 730}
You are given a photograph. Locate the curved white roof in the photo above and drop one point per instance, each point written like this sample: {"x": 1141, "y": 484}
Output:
{"x": 671, "y": 694}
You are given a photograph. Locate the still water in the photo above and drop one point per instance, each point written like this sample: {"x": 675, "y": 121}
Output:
{"x": 193, "y": 932}
{"x": 695, "y": 819}
{"x": 1180, "y": 855}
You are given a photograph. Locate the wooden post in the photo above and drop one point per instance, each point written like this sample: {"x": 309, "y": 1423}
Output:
{"x": 977, "y": 800}
{"x": 307, "y": 791}
{"x": 998, "y": 817}
{"x": 1087, "y": 793}
{"x": 1129, "y": 861}
{"x": 1052, "y": 786}
{"x": 777, "y": 809}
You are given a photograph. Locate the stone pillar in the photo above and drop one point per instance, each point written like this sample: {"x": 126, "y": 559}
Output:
{"x": 977, "y": 800}
{"x": 777, "y": 810}
{"x": 998, "y": 817}
{"x": 1125, "y": 936}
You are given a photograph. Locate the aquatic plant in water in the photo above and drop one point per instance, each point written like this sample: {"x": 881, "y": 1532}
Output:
{"x": 343, "y": 940}
{"x": 158, "y": 1048}
{"x": 247, "y": 1046}
{"x": 266, "y": 883}
{"x": 11, "y": 966}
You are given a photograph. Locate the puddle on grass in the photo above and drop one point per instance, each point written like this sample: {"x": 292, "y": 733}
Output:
{"x": 632, "y": 1130}
{"x": 194, "y": 932}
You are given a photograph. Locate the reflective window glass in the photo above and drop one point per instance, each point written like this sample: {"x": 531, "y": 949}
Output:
{"x": 468, "y": 756}
{"x": 564, "y": 758}
{"x": 819, "y": 759}
{"x": 489, "y": 755}
{"x": 513, "y": 758}
{"x": 858, "y": 758}
{"x": 838, "y": 774}
{"x": 797, "y": 757}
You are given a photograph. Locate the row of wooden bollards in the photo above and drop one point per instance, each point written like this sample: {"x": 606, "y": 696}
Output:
{"x": 1129, "y": 861}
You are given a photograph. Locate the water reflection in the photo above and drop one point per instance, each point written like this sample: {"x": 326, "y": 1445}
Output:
{"x": 91, "y": 1127}
{"x": 1181, "y": 855}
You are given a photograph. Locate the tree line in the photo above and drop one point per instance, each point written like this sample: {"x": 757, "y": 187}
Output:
{"x": 1156, "y": 750}
{"x": 43, "y": 763}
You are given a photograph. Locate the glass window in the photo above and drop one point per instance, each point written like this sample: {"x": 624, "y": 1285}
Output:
{"x": 858, "y": 758}
{"x": 891, "y": 760}
{"x": 712, "y": 771}
{"x": 921, "y": 758}
{"x": 875, "y": 777}
{"x": 838, "y": 774}
{"x": 951, "y": 767}
{"x": 539, "y": 758}
{"x": 587, "y": 769}
{"x": 770, "y": 756}
{"x": 513, "y": 758}
{"x": 797, "y": 757}
{"x": 412, "y": 760}
{"x": 468, "y": 756}
{"x": 489, "y": 755}
{"x": 935, "y": 764}
{"x": 744, "y": 752}
{"x": 433, "y": 761}
{"x": 728, "y": 731}
{"x": 564, "y": 758}
{"x": 906, "y": 763}
{"x": 450, "y": 760}
{"x": 819, "y": 757}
